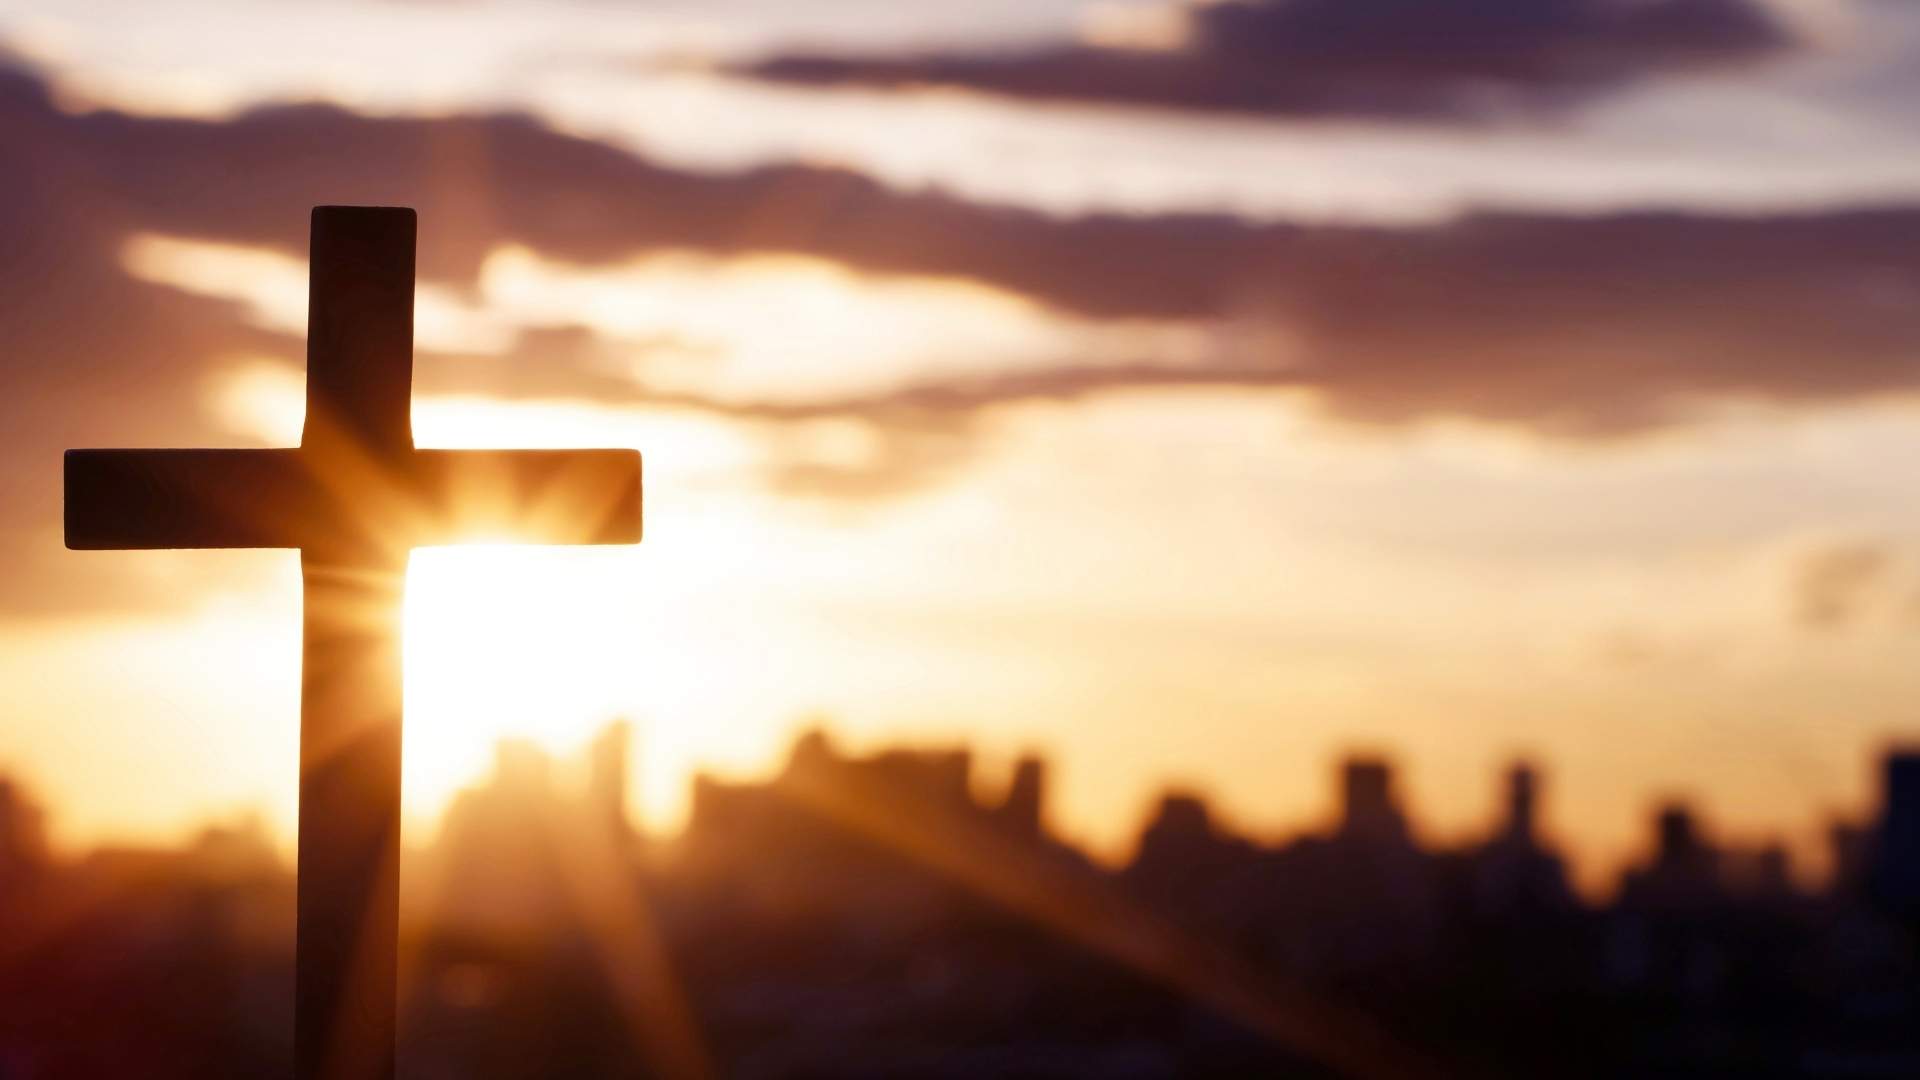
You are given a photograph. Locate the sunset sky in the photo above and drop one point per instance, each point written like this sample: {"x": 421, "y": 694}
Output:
{"x": 1191, "y": 392}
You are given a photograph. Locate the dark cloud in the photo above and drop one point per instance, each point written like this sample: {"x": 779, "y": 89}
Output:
{"x": 1367, "y": 58}
{"x": 1581, "y": 326}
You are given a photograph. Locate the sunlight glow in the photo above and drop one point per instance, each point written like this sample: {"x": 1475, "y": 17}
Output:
{"x": 510, "y": 641}
{"x": 546, "y": 643}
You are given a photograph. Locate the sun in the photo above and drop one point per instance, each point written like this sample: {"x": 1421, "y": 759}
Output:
{"x": 692, "y": 635}
{"x": 505, "y": 641}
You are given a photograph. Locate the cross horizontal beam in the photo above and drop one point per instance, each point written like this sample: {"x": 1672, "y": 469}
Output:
{"x": 293, "y": 498}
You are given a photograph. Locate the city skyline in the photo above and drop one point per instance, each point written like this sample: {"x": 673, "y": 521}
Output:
{"x": 941, "y": 929}
{"x": 579, "y": 771}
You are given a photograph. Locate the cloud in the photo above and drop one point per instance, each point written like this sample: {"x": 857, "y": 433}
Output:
{"x": 1580, "y": 327}
{"x": 1422, "y": 59}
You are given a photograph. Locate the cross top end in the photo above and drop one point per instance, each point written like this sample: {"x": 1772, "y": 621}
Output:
{"x": 360, "y": 328}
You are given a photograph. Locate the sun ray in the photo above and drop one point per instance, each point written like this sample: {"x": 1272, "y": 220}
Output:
{"x": 1084, "y": 910}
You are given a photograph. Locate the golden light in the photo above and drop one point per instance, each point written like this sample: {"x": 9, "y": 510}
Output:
{"x": 547, "y": 644}
{"x": 508, "y": 641}
{"x": 551, "y": 644}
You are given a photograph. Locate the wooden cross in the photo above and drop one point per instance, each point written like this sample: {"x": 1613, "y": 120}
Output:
{"x": 355, "y": 497}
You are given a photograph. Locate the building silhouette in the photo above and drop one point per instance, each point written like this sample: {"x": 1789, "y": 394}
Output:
{"x": 507, "y": 862}
{"x": 1514, "y": 876}
{"x": 23, "y": 839}
{"x": 607, "y": 791}
{"x": 1021, "y": 809}
{"x": 1896, "y": 845}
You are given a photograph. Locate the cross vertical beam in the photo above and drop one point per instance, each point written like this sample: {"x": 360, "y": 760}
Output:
{"x": 347, "y": 937}
{"x": 359, "y": 401}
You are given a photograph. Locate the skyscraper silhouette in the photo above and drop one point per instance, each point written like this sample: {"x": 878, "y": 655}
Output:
{"x": 1896, "y": 865}
{"x": 1021, "y": 810}
{"x": 1514, "y": 876}
{"x": 1369, "y": 809}
{"x": 607, "y": 785}
{"x": 1522, "y": 794}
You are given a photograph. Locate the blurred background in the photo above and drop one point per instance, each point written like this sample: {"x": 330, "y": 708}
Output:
{"x": 1254, "y": 535}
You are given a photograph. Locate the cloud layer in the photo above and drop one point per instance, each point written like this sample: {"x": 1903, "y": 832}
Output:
{"x": 1432, "y": 59}
{"x": 1579, "y": 327}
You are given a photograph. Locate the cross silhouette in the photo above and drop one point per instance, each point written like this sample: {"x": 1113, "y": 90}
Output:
{"x": 355, "y": 497}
